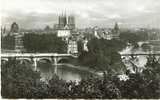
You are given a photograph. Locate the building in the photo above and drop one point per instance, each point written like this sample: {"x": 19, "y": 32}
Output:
{"x": 65, "y": 26}
{"x": 116, "y": 31}
{"x": 96, "y": 33}
{"x": 66, "y": 30}
{"x": 71, "y": 22}
{"x": 19, "y": 47}
{"x": 14, "y": 28}
{"x": 108, "y": 34}
{"x": 72, "y": 45}
{"x": 3, "y": 31}
{"x": 64, "y": 20}
{"x": 64, "y": 33}
{"x": 85, "y": 48}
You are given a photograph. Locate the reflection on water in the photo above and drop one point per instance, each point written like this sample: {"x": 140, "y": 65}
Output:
{"x": 64, "y": 72}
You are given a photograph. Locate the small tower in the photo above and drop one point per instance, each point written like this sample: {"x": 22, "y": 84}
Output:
{"x": 71, "y": 22}
{"x": 116, "y": 28}
{"x": 14, "y": 28}
{"x": 115, "y": 31}
{"x": 96, "y": 32}
{"x": 3, "y": 30}
{"x": 18, "y": 37}
{"x": 62, "y": 21}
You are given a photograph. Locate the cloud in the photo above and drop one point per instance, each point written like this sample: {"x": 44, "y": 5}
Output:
{"x": 30, "y": 20}
{"x": 38, "y": 13}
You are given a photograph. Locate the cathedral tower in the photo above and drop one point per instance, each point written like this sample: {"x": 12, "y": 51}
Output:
{"x": 64, "y": 20}
{"x": 71, "y": 22}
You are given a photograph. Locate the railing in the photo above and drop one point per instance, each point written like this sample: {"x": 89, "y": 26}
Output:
{"x": 64, "y": 55}
{"x": 4, "y": 55}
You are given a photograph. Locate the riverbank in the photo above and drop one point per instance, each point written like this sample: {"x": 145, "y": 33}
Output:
{"x": 97, "y": 73}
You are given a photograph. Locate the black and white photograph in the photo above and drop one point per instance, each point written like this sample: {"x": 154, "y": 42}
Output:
{"x": 80, "y": 49}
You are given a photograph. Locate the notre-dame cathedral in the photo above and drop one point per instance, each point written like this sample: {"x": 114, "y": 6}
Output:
{"x": 65, "y": 21}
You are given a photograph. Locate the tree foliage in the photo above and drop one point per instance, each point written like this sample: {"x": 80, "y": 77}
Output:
{"x": 44, "y": 43}
{"x": 103, "y": 55}
{"x": 8, "y": 42}
{"x": 144, "y": 85}
{"x": 20, "y": 81}
{"x": 133, "y": 37}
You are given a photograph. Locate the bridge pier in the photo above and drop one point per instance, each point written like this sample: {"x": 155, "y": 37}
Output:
{"x": 55, "y": 64}
{"x": 35, "y": 63}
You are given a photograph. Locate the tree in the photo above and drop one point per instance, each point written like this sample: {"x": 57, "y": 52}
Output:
{"x": 47, "y": 28}
{"x": 145, "y": 85}
{"x": 8, "y": 42}
{"x": 103, "y": 55}
{"x": 152, "y": 77}
{"x": 19, "y": 81}
{"x": 44, "y": 43}
{"x": 130, "y": 37}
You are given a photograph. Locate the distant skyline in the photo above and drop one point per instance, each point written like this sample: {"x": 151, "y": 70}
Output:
{"x": 35, "y": 14}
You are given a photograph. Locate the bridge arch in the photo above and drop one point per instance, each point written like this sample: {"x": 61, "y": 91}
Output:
{"x": 24, "y": 60}
{"x": 4, "y": 60}
{"x": 47, "y": 59}
{"x": 63, "y": 60}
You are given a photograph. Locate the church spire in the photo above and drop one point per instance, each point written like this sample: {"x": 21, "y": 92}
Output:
{"x": 116, "y": 27}
{"x": 4, "y": 30}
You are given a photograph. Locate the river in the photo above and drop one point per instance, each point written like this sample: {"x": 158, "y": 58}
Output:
{"x": 63, "y": 71}
{"x": 75, "y": 74}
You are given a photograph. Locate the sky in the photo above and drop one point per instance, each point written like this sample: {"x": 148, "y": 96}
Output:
{"x": 35, "y": 14}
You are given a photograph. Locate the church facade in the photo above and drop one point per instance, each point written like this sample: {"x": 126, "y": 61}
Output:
{"x": 66, "y": 30}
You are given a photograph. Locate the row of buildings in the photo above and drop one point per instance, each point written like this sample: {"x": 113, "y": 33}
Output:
{"x": 14, "y": 31}
{"x": 66, "y": 29}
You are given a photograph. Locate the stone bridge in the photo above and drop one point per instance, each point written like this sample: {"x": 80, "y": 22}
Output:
{"x": 34, "y": 58}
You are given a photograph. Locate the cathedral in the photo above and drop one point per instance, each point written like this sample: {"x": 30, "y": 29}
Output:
{"x": 65, "y": 26}
{"x": 66, "y": 29}
{"x": 65, "y": 22}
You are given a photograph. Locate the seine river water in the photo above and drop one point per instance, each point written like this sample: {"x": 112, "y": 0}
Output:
{"x": 64, "y": 72}
{"x": 74, "y": 74}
